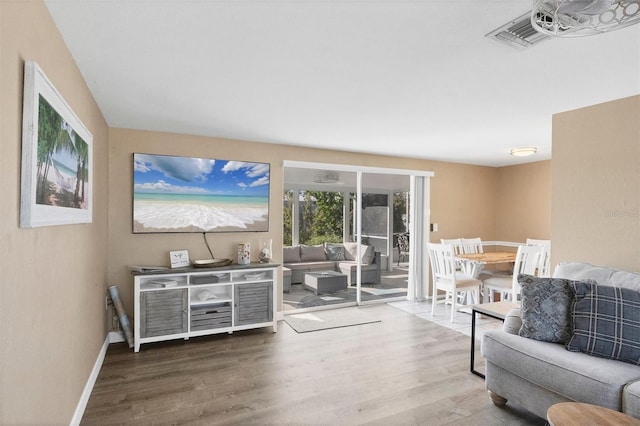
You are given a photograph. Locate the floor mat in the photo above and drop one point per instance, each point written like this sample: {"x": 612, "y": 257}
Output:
{"x": 333, "y": 318}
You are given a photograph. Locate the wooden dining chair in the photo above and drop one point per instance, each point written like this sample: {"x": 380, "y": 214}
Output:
{"x": 544, "y": 269}
{"x": 455, "y": 242}
{"x": 458, "y": 248}
{"x": 446, "y": 278}
{"x": 527, "y": 262}
{"x": 472, "y": 245}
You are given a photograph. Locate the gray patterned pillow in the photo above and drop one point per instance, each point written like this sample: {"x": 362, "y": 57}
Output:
{"x": 546, "y": 308}
{"x": 606, "y": 322}
{"x": 334, "y": 251}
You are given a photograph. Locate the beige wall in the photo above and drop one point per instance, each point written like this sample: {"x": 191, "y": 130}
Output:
{"x": 463, "y": 202}
{"x": 52, "y": 279}
{"x": 523, "y": 199}
{"x": 454, "y": 188}
{"x": 596, "y": 185}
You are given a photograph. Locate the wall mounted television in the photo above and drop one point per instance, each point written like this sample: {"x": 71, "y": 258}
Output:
{"x": 188, "y": 194}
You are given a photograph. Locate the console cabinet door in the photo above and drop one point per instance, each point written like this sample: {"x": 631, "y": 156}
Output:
{"x": 253, "y": 303}
{"x": 163, "y": 312}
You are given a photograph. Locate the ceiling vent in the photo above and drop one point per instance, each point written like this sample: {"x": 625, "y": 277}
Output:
{"x": 518, "y": 33}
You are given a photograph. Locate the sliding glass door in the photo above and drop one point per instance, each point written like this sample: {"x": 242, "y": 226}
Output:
{"x": 340, "y": 228}
{"x": 316, "y": 223}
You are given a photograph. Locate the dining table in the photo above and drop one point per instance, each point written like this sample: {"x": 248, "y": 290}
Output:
{"x": 473, "y": 263}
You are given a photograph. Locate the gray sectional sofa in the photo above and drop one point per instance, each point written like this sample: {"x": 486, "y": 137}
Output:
{"x": 537, "y": 374}
{"x": 338, "y": 257}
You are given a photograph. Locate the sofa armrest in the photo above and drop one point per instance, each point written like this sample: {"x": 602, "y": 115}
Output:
{"x": 631, "y": 399}
{"x": 512, "y": 322}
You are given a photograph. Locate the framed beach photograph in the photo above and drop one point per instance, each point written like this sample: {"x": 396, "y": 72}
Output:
{"x": 57, "y": 166}
{"x": 191, "y": 194}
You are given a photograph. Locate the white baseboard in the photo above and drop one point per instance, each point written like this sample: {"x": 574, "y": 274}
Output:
{"x": 86, "y": 393}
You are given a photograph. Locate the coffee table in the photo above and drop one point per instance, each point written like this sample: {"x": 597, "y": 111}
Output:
{"x": 325, "y": 281}
{"x": 497, "y": 310}
{"x": 578, "y": 414}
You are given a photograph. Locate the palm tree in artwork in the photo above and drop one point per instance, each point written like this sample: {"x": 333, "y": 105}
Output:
{"x": 82, "y": 156}
{"x": 54, "y": 136}
{"x": 49, "y": 125}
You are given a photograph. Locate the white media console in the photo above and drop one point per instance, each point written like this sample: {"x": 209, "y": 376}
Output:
{"x": 189, "y": 302}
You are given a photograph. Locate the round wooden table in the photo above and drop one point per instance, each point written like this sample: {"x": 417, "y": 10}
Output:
{"x": 579, "y": 414}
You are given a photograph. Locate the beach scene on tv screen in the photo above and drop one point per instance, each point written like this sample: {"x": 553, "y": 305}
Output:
{"x": 186, "y": 194}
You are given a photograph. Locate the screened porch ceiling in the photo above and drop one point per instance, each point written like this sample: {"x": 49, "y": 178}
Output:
{"x": 377, "y": 183}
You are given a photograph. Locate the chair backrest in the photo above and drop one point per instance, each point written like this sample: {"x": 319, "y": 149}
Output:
{"x": 443, "y": 261}
{"x": 472, "y": 245}
{"x": 527, "y": 262}
{"x": 545, "y": 259}
{"x": 534, "y": 242}
{"x": 455, "y": 242}
{"x": 403, "y": 243}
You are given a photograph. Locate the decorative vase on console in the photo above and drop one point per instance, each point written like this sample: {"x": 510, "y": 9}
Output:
{"x": 265, "y": 251}
{"x": 244, "y": 253}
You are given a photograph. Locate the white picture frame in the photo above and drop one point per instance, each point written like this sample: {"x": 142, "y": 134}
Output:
{"x": 57, "y": 157}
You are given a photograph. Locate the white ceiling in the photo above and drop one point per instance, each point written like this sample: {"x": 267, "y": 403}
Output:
{"x": 414, "y": 78}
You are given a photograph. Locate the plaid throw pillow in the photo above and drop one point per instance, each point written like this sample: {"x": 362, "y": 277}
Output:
{"x": 606, "y": 322}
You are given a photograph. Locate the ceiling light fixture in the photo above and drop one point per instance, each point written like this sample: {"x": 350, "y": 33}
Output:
{"x": 326, "y": 177}
{"x": 524, "y": 151}
{"x": 572, "y": 18}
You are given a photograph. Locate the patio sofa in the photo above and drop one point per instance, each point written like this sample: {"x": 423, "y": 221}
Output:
{"x": 338, "y": 257}
{"x": 600, "y": 361}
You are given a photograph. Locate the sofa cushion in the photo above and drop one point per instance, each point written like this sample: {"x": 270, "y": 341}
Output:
{"x": 368, "y": 255}
{"x": 312, "y": 266}
{"x": 312, "y": 253}
{"x": 334, "y": 251}
{"x": 370, "y": 272}
{"x": 351, "y": 266}
{"x": 573, "y": 375}
{"x": 291, "y": 254}
{"x": 606, "y": 322}
{"x": 546, "y": 308}
{"x": 351, "y": 251}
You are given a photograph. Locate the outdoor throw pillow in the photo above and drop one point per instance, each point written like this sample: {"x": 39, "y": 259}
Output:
{"x": 350, "y": 250}
{"x": 606, "y": 322}
{"x": 312, "y": 253}
{"x": 334, "y": 251}
{"x": 291, "y": 254}
{"x": 367, "y": 252}
{"x": 546, "y": 308}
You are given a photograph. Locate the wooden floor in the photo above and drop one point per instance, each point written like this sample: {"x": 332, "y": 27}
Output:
{"x": 400, "y": 371}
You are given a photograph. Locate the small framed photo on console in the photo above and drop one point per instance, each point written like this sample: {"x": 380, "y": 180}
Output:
{"x": 179, "y": 258}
